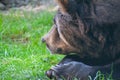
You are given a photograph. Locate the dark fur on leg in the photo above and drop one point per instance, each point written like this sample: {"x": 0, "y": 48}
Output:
{"x": 70, "y": 68}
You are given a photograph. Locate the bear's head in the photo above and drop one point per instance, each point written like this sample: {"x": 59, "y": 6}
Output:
{"x": 77, "y": 29}
{"x": 68, "y": 32}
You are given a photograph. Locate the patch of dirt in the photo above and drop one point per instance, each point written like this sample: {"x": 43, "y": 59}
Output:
{"x": 28, "y": 5}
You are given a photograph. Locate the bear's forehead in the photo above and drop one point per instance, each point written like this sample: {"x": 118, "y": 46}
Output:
{"x": 63, "y": 17}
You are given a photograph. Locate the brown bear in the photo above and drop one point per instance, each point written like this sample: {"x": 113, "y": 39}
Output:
{"x": 89, "y": 29}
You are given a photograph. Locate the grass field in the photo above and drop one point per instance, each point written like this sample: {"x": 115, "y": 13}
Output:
{"x": 22, "y": 55}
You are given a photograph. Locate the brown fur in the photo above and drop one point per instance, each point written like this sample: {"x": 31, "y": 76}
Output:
{"x": 88, "y": 28}
{"x": 71, "y": 67}
{"x": 63, "y": 5}
{"x": 90, "y": 31}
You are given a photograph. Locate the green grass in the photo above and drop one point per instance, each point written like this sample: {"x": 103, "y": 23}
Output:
{"x": 22, "y": 54}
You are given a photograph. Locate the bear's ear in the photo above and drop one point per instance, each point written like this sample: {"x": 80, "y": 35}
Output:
{"x": 63, "y": 4}
{"x": 71, "y": 6}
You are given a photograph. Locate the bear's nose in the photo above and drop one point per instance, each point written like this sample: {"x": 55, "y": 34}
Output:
{"x": 43, "y": 40}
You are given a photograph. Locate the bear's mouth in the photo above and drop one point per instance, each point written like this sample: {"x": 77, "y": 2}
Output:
{"x": 50, "y": 49}
{"x": 54, "y": 50}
